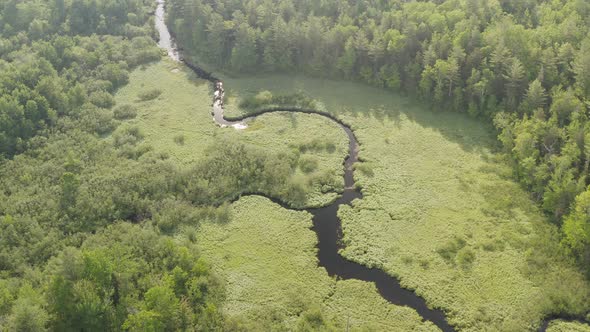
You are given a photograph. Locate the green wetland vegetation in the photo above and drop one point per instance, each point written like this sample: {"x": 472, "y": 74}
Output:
{"x": 441, "y": 210}
{"x": 124, "y": 207}
{"x": 559, "y": 326}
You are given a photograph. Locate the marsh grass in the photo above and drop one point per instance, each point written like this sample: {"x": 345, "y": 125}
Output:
{"x": 563, "y": 326}
{"x": 428, "y": 180}
{"x": 179, "y": 139}
{"x": 440, "y": 210}
{"x": 265, "y": 254}
{"x": 181, "y": 115}
{"x": 125, "y": 112}
{"x": 267, "y": 257}
{"x": 149, "y": 94}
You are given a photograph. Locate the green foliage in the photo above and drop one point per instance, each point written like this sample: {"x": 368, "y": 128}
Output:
{"x": 96, "y": 286}
{"x": 308, "y": 164}
{"x": 576, "y": 228}
{"x": 233, "y": 168}
{"x": 175, "y": 113}
{"x": 27, "y": 312}
{"x": 125, "y": 112}
{"x": 61, "y": 267}
{"x": 71, "y": 259}
{"x": 149, "y": 94}
{"x": 313, "y": 320}
{"x": 283, "y": 288}
{"x": 450, "y": 249}
{"x": 49, "y": 70}
{"x": 179, "y": 139}
{"x": 94, "y": 222}
{"x": 565, "y": 326}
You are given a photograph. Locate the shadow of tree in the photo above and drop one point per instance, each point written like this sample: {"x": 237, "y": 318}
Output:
{"x": 349, "y": 100}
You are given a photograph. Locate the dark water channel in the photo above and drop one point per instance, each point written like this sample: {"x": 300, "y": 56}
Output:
{"x": 326, "y": 223}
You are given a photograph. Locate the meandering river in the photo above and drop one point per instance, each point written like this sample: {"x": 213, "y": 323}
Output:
{"x": 326, "y": 223}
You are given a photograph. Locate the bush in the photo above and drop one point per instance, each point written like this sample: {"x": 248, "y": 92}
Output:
{"x": 102, "y": 99}
{"x": 125, "y": 112}
{"x": 150, "y": 94}
{"x": 364, "y": 168}
{"x": 172, "y": 214}
{"x": 97, "y": 120}
{"x": 263, "y": 97}
{"x": 465, "y": 257}
{"x": 179, "y": 139}
{"x": 308, "y": 164}
{"x": 449, "y": 251}
{"x": 127, "y": 136}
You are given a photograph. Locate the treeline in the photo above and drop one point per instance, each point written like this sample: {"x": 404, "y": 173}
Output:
{"x": 523, "y": 64}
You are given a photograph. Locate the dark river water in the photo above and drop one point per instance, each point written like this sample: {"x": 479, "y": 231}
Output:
{"x": 326, "y": 223}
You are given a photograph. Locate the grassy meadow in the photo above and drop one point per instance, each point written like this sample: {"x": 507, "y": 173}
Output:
{"x": 441, "y": 211}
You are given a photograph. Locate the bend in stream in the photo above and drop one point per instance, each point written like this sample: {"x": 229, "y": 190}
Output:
{"x": 326, "y": 223}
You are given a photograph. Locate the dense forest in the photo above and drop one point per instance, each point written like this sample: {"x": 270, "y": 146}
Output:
{"x": 522, "y": 65}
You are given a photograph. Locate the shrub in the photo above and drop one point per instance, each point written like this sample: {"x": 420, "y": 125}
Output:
{"x": 125, "y": 112}
{"x": 97, "y": 120}
{"x": 179, "y": 139}
{"x": 127, "y": 136}
{"x": 450, "y": 249}
{"x": 172, "y": 214}
{"x": 149, "y": 94}
{"x": 366, "y": 169}
{"x": 102, "y": 99}
{"x": 465, "y": 257}
{"x": 263, "y": 97}
{"x": 266, "y": 98}
{"x": 308, "y": 164}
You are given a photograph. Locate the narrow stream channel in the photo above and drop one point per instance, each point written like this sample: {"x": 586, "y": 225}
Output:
{"x": 326, "y": 223}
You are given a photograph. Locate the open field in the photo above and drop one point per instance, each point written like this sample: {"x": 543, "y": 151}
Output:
{"x": 441, "y": 211}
